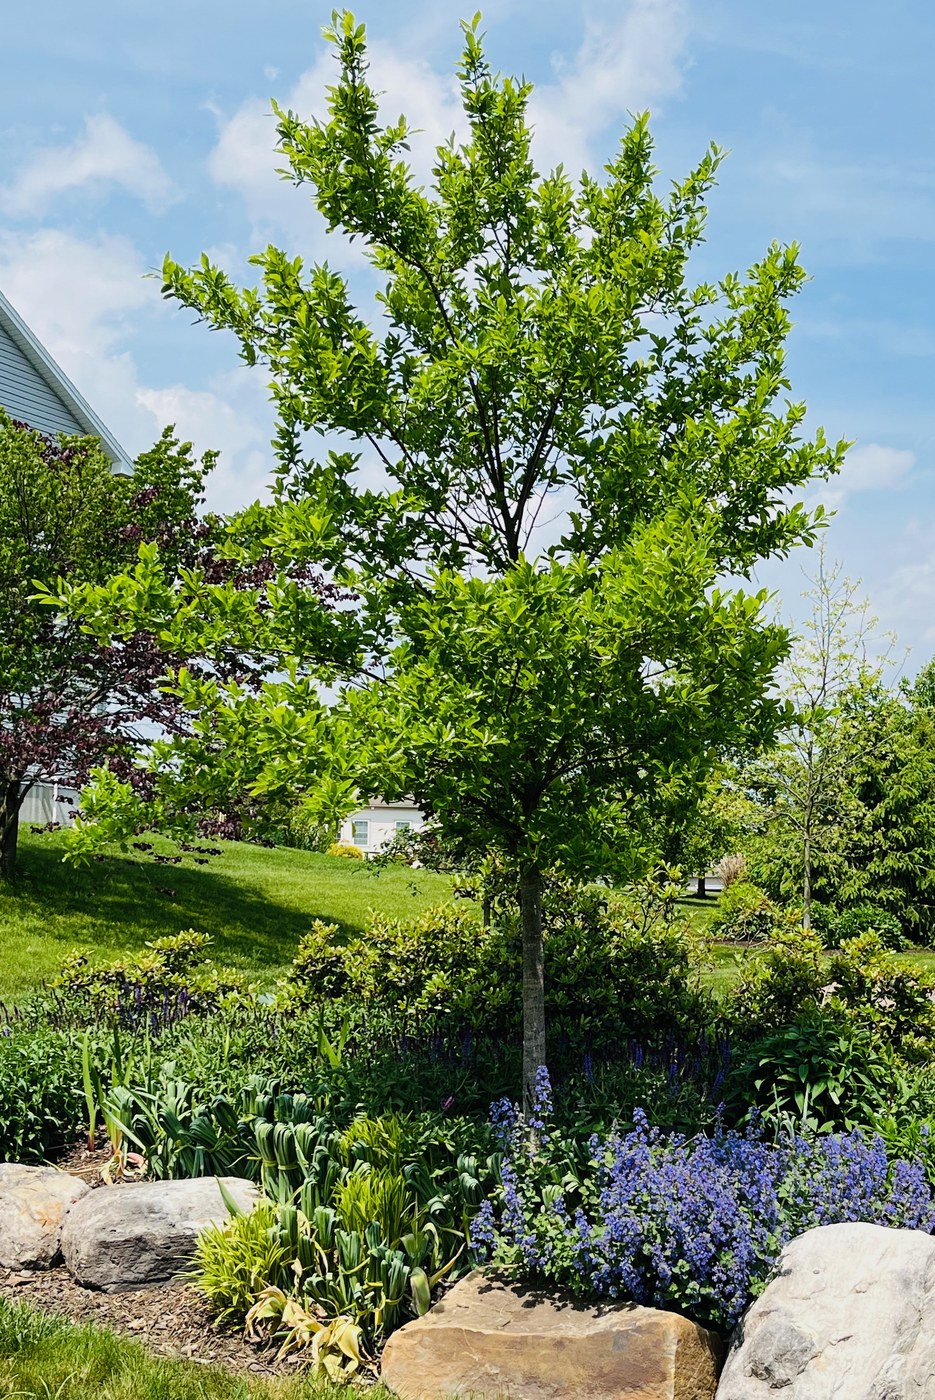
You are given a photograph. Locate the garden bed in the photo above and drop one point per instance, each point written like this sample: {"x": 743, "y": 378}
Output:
{"x": 170, "y": 1320}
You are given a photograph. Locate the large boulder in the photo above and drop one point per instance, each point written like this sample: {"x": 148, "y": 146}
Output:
{"x": 487, "y": 1339}
{"x": 33, "y": 1204}
{"x": 851, "y": 1314}
{"x": 123, "y": 1237}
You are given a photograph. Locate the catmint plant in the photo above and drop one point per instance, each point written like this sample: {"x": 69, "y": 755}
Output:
{"x": 689, "y": 1223}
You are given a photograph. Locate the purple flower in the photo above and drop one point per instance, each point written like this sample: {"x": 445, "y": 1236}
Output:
{"x": 696, "y": 1223}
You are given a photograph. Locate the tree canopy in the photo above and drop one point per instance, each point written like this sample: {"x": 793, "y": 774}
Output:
{"x": 552, "y": 462}
{"x": 69, "y": 701}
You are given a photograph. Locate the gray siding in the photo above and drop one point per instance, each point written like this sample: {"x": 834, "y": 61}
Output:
{"x": 25, "y": 394}
{"x": 41, "y": 805}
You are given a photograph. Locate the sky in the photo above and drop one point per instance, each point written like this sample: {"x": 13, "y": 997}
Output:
{"x": 128, "y": 130}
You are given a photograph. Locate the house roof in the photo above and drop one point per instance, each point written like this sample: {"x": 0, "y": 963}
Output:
{"x": 380, "y": 804}
{"x": 35, "y": 389}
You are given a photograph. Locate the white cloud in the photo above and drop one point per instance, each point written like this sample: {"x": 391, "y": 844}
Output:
{"x": 88, "y": 302}
{"x": 870, "y": 467}
{"x": 905, "y": 596}
{"x": 83, "y": 300}
{"x": 74, "y": 293}
{"x": 231, "y": 417}
{"x": 623, "y": 66}
{"x": 106, "y": 154}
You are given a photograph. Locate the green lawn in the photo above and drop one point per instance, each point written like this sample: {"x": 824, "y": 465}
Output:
{"x": 46, "y": 1358}
{"x": 255, "y": 902}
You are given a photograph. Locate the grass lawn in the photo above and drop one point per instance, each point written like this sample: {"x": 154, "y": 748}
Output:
{"x": 256, "y": 903}
{"x": 722, "y": 960}
{"x": 46, "y": 1358}
{"x": 723, "y": 963}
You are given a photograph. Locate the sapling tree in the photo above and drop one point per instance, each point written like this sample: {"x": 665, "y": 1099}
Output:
{"x": 808, "y": 785}
{"x": 552, "y": 463}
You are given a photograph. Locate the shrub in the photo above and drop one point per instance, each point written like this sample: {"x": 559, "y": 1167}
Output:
{"x": 692, "y": 1224}
{"x": 425, "y": 969}
{"x": 169, "y": 982}
{"x": 865, "y": 918}
{"x": 744, "y": 914}
{"x": 346, "y": 851}
{"x": 613, "y": 970}
{"x": 884, "y": 995}
{"x": 40, "y": 1092}
{"x": 777, "y": 983}
{"x": 617, "y": 969}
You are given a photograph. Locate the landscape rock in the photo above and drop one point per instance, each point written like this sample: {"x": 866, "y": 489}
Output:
{"x": 851, "y": 1314}
{"x": 33, "y": 1204}
{"x": 488, "y": 1339}
{"x": 124, "y": 1237}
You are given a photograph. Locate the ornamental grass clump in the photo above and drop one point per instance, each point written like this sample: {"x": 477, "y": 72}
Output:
{"x": 693, "y": 1224}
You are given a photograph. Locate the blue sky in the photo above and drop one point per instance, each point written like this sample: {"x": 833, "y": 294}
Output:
{"x": 121, "y": 138}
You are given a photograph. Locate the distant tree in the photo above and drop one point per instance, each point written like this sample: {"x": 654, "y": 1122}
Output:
{"x": 696, "y": 829}
{"x": 537, "y": 352}
{"x": 812, "y": 813}
{"x": 69, "y": 701}
{"x": 892, "y": 859}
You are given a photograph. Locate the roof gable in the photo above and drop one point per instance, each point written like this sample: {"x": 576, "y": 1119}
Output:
{"x": 34, "y": 389}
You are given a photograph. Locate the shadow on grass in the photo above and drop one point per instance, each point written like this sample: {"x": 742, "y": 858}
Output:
{"x": 255, "y": 903}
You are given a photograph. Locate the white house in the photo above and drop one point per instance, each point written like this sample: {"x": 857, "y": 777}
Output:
{"x": 373, "y": 826}
{"x": 35, "y": 390}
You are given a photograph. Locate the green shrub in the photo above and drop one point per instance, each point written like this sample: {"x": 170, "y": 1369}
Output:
{"x": 612, "y": 967}
{"x": 861, "y": 980}
{"x": 40, "y": 1093}
{"x": 777, "y": 983}
{"x": 744, "y": 914}
{"x": 172, "y": 979}
{"x": 886, "y": 996}
{"x": 434, "y": 967}
{"x": 348, "y": 852}
{"x": 866, "y": 918}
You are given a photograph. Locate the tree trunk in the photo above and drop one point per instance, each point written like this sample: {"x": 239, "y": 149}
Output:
{"x": 11, "y": 799}
{"x": 807, "y": 884}
{"x": 530, "y": 898}
{"x": 702, "y": 890}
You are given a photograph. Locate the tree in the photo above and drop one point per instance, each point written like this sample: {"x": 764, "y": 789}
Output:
{"x": 812, "y": 810}
{"x": 537, "y": 352}
{"x": 69, "y": 701}
{"x": 698, "y": 828}
{"x": 891, "y": 863}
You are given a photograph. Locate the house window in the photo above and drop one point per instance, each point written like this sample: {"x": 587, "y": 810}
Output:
{"x": 404, "y": 826}
{"x": 360, "y": 833}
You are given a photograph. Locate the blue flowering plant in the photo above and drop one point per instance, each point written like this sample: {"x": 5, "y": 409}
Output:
{"x": 692, "y": 1224}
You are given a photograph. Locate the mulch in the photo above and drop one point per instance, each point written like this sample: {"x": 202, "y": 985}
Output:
{"x": 169, "y": 1319}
